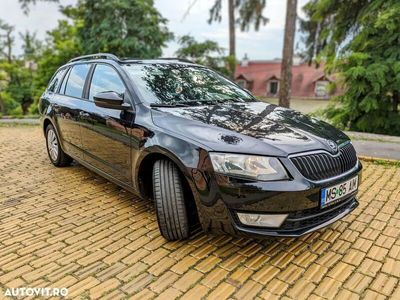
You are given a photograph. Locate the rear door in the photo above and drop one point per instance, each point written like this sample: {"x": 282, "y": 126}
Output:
{"x": 106, "y": 132}
{"x": 67, "y": 107}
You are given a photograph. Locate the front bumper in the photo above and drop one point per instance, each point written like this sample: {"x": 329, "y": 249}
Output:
{"x": 299, "y": 198}
{"x": 301, "y": 223}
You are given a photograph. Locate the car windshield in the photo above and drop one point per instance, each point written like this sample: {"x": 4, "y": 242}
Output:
{"x": 176, "y": 84}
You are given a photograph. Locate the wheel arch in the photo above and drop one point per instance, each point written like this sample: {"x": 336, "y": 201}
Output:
{"x": 144, "y": 178}
{"x": 145, "y": 164}
{"x": 46, "y": 122}
{"x": 49, "y": 121}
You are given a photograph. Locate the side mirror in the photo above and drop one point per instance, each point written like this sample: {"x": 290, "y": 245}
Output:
{"x": 110, "y": 100}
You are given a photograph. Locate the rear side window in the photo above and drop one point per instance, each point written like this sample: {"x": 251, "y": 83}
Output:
{"x": 55, "y": 82}
{"x": 105, "y": 79}
{"x": 76, "y": 80}
{"x": 62, "y": 89}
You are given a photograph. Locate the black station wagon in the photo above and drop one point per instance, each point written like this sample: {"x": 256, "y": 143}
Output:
{"x": 201, "y": 147}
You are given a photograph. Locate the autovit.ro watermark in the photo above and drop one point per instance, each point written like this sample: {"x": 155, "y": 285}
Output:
{"x": 36, "y": 291}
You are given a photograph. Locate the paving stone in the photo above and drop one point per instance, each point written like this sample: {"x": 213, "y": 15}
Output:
{"x": 68, "y": 227}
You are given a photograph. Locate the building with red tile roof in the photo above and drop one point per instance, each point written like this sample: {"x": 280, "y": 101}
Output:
{"x": 262, "y": 78}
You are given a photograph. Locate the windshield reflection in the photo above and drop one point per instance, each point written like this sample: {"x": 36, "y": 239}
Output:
{"x": 170, "y": 84}
{"x": 260, "y": 120}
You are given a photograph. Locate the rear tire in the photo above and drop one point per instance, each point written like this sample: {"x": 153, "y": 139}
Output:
{"x": 169, "y": 200}
{"x": 57, "y": 156}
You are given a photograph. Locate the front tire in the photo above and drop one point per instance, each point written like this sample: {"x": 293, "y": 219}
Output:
{"x": 169, "y": 201}
{"x": 57, "y": 156}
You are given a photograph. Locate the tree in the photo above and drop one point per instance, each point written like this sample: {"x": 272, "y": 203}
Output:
{"x": 127, "y": 28}
{"x": 250, "y": 13}
{"x": 6, "y": 40}
{"x": 207, "y": 53}
{"x": 287, "y": 53}
{"x": 16, "y": 92}
{"x": 362, "y": 44}
{"x": 62, "y": 44}
{"x": 20, "y": 86}
{"x": 25, "y": 3}
{"x": 7, "y": 103}
{"x": 232, "y": 34}
{"x": 30, "y": 44}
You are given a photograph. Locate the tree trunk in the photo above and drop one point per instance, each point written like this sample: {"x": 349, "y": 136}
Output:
{"x": 9, "y": 43}
{"x": 232, "y": 42}
{"x": 287, "y": 55}
{"x": 2, "y": 106}
{"x": 396, "y": 101}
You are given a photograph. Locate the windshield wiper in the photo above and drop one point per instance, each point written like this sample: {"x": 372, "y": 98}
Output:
{"x": 167, "y": 105}
{"x": 212, "y": 102}
{"x": 199, "y": 102}
{"x": 183, "y": 103}
{"x": 215, "y": 101}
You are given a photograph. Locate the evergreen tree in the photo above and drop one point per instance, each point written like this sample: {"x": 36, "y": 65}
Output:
{"x": 361, "y": 41}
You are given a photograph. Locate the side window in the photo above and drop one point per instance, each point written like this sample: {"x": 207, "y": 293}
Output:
{"x": 105, "y": 79}
{"x": 62, "y": 88}
{"x": 55, "y": 82}
{"x": 76, "y": 80}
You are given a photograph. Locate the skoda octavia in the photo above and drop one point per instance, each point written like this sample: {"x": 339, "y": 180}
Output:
{"x": 202, "y": 148}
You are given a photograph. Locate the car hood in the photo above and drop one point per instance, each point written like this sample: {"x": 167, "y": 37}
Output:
{"x": 254, "y": 128}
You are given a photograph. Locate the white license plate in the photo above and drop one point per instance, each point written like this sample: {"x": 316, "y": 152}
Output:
{"x": 337, "y": 192}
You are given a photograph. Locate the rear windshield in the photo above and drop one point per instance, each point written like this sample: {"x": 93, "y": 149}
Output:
{"x": 183, "y": 84}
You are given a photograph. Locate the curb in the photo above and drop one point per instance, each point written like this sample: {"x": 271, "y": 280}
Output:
{"x": 12, "y": 122}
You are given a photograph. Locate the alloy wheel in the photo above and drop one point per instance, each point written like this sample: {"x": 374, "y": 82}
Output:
{"x": 52, "y": 144}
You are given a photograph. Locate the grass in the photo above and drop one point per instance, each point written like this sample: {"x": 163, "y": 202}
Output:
{"x": 382, "y": 162}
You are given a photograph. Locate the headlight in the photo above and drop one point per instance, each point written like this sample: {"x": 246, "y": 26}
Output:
{"x": 249, "y": 166}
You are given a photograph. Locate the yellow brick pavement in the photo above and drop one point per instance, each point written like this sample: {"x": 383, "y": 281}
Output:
{"x": 70, "y": 228}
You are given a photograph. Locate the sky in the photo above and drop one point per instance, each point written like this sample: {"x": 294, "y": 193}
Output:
{"x": 264, "y": 44}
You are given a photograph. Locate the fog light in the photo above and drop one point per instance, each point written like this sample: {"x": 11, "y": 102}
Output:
{"x": 262, "y": 220}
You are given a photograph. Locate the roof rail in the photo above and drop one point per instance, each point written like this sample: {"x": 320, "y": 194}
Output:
{"x": 96, "y": 55}
{"x": 127, "y": 59}
{"x": 176, "y": 58}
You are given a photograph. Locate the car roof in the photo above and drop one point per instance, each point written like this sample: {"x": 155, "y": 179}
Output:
{"x": 114, "y": 58}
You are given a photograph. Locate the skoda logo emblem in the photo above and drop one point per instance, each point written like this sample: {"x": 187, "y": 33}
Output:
{"x": 332, "y": 145}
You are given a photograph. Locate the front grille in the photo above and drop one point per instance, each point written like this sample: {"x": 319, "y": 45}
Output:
{"x": 321, "y": 166}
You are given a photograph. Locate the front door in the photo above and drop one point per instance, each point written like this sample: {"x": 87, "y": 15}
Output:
{"x": 106, "y": 132}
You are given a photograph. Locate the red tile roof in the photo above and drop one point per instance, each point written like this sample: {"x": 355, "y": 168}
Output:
{"x": 258, "y": 73}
